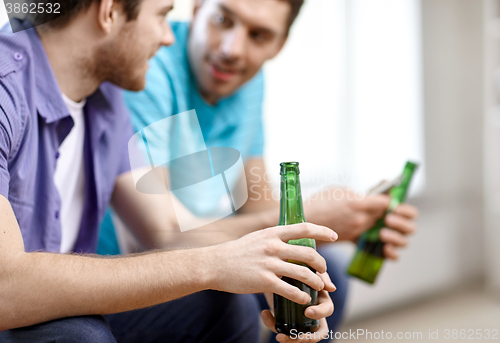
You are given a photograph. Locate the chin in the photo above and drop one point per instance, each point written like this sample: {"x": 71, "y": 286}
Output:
{"x": 134, "y": 85}
{"x": 225, "y": 91}
{"x": 138, "y": 86}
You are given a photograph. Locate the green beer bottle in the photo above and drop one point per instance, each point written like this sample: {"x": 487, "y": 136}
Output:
{"x": 369, "y": 255}
{"x": 290, "y": 315}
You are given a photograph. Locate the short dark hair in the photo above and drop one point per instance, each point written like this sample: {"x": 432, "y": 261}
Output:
{"x": 296, "y": 6}
{"x": 71, "y": 8}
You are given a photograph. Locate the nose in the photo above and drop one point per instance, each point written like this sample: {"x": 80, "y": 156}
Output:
{"x": 234, "y": 44}
{"x": 168, "y": 37}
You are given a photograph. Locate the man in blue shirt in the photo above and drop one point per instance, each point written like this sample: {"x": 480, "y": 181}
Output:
{"x": 62, "y": 78}
{"x": 215, "y": 68}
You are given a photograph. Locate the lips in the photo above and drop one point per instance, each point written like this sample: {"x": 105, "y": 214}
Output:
{"x": 220, "y": 73}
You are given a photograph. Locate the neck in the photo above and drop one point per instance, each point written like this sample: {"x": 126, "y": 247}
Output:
{"x": 71, "y": 57}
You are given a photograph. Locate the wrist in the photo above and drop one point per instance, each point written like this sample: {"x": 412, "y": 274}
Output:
{"x": 207, "y": 263}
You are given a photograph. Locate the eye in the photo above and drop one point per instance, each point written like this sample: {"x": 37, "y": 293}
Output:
{"x": 220, "y": 19}
{"x": 258, "y": 36}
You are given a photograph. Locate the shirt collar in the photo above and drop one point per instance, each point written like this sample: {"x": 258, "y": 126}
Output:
{"x": 49, "y": 102}
{"x": 48, "y": 99}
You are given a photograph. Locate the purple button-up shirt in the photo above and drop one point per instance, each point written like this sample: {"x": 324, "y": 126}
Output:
{"x": 34, "y": 121}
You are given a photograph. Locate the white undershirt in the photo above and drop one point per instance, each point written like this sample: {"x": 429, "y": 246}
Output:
{"x": 70, "y": 177}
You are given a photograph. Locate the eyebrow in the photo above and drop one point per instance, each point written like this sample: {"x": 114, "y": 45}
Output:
{"x": 264, "y": 30}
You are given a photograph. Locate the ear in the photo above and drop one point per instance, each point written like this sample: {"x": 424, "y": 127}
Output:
{"x": 106, "y": 15}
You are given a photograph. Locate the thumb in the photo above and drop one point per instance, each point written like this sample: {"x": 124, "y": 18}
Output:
{"x": 375, "y": 204}
{"x": 268, "y": 319}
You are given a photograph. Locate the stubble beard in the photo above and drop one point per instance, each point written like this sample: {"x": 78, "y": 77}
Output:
{"x": 119, "y": 61}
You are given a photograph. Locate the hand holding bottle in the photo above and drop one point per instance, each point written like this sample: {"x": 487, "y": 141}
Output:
{"x": 350, "y": 217}
{"x": 323, "y": 309}
{"x": 256, "y": 262}
{"x": 369, "y": 256}
{"x": 398, "y": 225}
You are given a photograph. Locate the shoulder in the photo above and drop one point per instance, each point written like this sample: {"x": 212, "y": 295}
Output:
{"x": 11, "y": 116}
{"x": 180, "y": 29}
{"x": 253, "y": 91}
{"x": 170, "y": 64}
{"x": 178, "y": 51}
{"x": 254, "y": 85}
{"x": 15, "y": 55}
{"x": 14, "y": 52}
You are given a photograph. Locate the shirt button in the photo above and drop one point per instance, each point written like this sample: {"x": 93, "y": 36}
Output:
{"x": 57, "y": 215}
{"x": 57, "y": 155}
{"x": 18, "y": 56}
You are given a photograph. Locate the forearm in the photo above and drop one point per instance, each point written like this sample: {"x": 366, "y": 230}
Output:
{"x": 43, "y": 286}
{"x": 220, "y": 231}
{"x": 260, "y": 193}
{"x": 242, "y": 224}
{"x": 154, "y": 219}
{"x": 260, "y": 201}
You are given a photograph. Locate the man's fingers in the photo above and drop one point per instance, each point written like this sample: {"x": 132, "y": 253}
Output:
{"x": 329, "y": 286}
{"x": 290, "y": 292}
{"x": 268, "y": 319}
{"x": 393, "y": 237}
{"x": 391, "y": 252}
{"x": 302, "y": 274}
{"x": 406, "y": 210}
{"x": 307, "y": 230}
{"x": 374, "y": 204}
{"x": 306, "y": 255}
{"x": 401, "y": 224}
{"x": 323, "y": 309}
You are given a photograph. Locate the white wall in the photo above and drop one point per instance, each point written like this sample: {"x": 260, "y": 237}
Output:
{"x": 348, "y": 84}
{"x": 3, "y": 14}
{"x": 492, "y": 144}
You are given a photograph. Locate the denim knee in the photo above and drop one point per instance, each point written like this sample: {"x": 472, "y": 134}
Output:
{"x": 87, "y": 329}
{"x": 239, "y": 312}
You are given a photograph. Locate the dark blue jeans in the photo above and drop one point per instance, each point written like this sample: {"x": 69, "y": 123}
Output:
{"x": 208, "y": 316}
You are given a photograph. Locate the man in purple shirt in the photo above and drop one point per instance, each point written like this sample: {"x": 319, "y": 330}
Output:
{"x": 47, "y": 74}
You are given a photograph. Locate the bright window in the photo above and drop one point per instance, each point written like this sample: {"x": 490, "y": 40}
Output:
{"x": 345, "y": 96}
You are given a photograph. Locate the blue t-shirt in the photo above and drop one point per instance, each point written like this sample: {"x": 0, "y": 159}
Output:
{"x": 235, "y": 121}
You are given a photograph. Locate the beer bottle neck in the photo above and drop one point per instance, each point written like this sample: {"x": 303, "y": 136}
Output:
{"x": 291, "y": 210}
{"x": 398, "y": 193}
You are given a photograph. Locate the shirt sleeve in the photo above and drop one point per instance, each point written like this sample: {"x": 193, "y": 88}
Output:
{"x": 6, "y": 135}
{"x": 4, "y": 154}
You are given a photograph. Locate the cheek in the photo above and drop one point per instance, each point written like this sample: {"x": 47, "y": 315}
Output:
{"x": 212, "y": 41}
{"x": 255, "y": 61}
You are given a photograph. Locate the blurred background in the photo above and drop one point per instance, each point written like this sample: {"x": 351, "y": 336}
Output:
{"x": 369, "y": 84}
